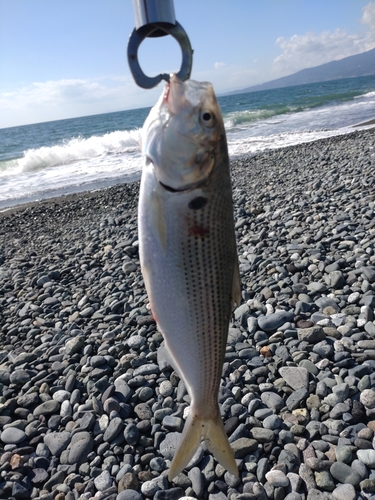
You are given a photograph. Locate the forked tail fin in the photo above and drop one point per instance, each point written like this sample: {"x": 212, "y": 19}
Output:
{"x": 212, "y": 430}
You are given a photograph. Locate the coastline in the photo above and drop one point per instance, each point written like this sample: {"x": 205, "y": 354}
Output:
{"x": 90, "y": 194}
{"x": 93, "y": 414}
{"x": 364, "y": 124}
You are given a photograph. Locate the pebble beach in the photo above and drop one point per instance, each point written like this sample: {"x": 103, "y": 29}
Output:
{"x": 85, "y": 411}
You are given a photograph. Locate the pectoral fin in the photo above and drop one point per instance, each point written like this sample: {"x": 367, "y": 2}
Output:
{"x": 158, "y": 220}
{"x": 165, "y": 358}
{"x": 236, "y": 284}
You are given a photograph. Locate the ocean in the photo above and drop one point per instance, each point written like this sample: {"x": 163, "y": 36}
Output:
{"x": 80, "y": 154}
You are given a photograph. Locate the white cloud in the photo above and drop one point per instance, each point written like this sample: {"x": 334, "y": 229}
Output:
{"x": 57, "y": 92}
{"x": 310, "y": 49}
{"x": 219, "y": 65}
{"x": 59, "y": 99}
{"x": 369, "y": 15}
{"x": 299, "y": 52}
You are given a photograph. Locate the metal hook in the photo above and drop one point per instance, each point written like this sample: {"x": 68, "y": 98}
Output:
{"x": 137, "y": 37}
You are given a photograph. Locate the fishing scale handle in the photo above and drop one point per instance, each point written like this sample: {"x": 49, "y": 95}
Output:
{"x": 154, "y": 18}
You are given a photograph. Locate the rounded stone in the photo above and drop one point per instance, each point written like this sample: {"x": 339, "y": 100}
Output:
{"x": 57, "y": 442}
{"x": 131, "y": 434}
{"x": 129, "y": 495}
{"x": 344, "y": 492}
{"x": 169, "y": 445}
{"x": 19, "y": 377}
{"x": 61, "y": 396}
{"x": 295, "y": 377}
{"x": 368, "y": 485}
{"x": 74, "y": 345}
{"x": 343, "y": 454}
{"x": 149, "y": 488}
{"x": 272, "y": 422}
{"x": 166, "y": 388}
{"x": 272, "y": 321}
{"x": 114, "y": 428}
{"x": 145, "y": 393}
{"x": 367, "y": 398}
{"x": 12, "y": 435}
{"x": 47, "y": 408}
{"x": 81, "y": 445}
{"x": 277, "y": 478}
{"x": 103, "y": 481}
{"x": 136, "y": 341}
{"x": 157, "y": 464}
{"x": 39, "y": 476}
{"x": 324, "y": 480}
{"x": 343, "y": 473}
{"x": 367, "y": 457}
{"x": 273, "y": 400}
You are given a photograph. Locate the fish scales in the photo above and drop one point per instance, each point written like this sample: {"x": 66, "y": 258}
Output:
{"x": 208, "y": 262}
{"x": 189, "y": 263}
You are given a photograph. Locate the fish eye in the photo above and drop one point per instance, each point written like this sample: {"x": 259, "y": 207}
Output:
{"x": 207, "y": 118}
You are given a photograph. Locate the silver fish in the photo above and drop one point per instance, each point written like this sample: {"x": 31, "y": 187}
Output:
{"x": 188, "y": 252}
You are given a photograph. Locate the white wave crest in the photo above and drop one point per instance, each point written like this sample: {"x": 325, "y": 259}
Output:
{"x": 249, "y": 117}
{"x": 368, "y": 94}
{"x": 80, "y": 148}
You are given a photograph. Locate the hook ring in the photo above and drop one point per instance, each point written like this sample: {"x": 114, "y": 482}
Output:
{"x": 137, "y": 37}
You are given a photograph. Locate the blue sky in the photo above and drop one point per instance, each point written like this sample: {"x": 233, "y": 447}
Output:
{"x": 67, "y": 58}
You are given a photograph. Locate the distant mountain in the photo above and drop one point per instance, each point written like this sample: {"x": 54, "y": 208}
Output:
{"x": 349, "y": 67}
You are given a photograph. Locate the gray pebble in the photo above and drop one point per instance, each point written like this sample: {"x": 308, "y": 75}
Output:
{"x": 12, "y": 435}
{"x": 197, "y": 481}
{"x": 47, "y": 408}
{"x": 114, "y": 428}
{"x": 272, "y": 400}
{"x": 57, "y": 442}
{"x": 311, "y": 335}
{"x": 81, "y": 445}
{"x": 129, "y": 495}
{"x": 367, "y": 398}
{"x": 295, "y": 377}
{"x": 345, "y": 474}
{"x": 103, "y": 481}
{"x": 277, "y": 478}
{"x": 273, "y": 321}
{"x": 367, "y": 457}
{"x": 344, "y": 492}
{"x": 79, "y": 345}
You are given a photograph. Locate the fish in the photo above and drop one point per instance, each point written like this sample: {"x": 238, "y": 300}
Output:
{"x": 188, "y": 253}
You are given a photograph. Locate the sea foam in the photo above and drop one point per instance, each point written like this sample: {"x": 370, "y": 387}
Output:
{"x": 78, "y": 149}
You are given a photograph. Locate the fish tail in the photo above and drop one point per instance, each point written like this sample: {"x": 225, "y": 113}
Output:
{"x": 212, "y": 430}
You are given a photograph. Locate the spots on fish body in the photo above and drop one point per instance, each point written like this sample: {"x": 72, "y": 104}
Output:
{"x": 198, "y": 203}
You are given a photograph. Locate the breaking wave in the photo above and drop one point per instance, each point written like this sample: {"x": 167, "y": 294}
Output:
{"x": 79, "y": 148}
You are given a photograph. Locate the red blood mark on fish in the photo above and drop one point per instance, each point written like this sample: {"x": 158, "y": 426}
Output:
{"x": 198, "y": 231}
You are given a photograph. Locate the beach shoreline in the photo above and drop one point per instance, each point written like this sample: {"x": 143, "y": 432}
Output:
{"x": 364, "y": 124}
{"x": 86, "y": 412}
{"x": 90, "y": 194}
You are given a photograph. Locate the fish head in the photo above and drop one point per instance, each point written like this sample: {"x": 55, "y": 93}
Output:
{"x": 184, "y": 134}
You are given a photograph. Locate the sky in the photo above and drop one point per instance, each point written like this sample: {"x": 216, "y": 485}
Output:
{"x": 67, "y": 58}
